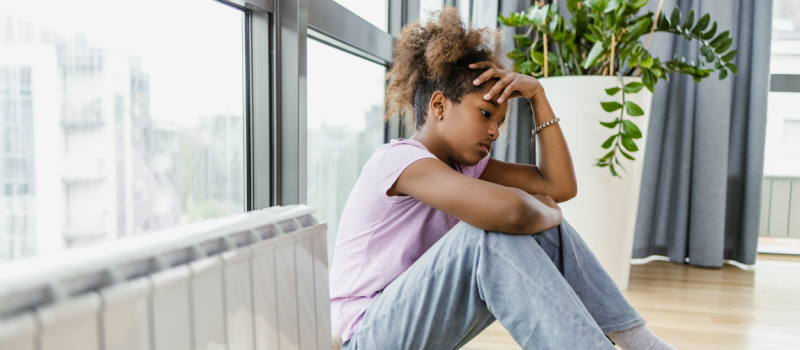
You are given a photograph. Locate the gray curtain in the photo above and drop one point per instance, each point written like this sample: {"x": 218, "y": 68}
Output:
{"x": 701, "y": 190}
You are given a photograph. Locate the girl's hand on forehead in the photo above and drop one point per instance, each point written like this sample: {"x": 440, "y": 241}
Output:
{"x": 510, "y": 84}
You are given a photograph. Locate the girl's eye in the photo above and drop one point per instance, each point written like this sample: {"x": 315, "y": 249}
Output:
{"x": 486, "y": 114}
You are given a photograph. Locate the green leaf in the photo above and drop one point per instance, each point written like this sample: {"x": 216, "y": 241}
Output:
{"x": 633, "y": 87}
{"x": 729, "y": 56}
{"x": 610, "y": 125}
{"x": 608, "y": 155}
{"x": 515, "y": 54}
{"x": 675, "y": 19}
{"x": 635, "y": 4}
{"x": 613, "y": 172}
{"x": 702, "y": 23}
{"x": 663, "y": 22}
{"x": 611, "y": 6}
{"x": 710, "y": 33}
{"x": 638, "y": 28}
{"x": 633, "y": 109}
{"x": 612, "y": 91}
{"x": 722, "y": 74}
{"x": 689, "y": 21}
{"x": 726, "y": 44}
{"x": 526, "y": 67}
{"x": 709, "y": 54}
{"x": 596, "y": 5}
{"x": 626, "y": 155}
{"x": 522, "y": 41}
{"x": 552, "y": 58}
{"x": 648, "y": 79}
{"x": 538, "y": 57}
{"x": 609, "y": 142}
{"x": 610, "y": 106}
{"x": 616, "y": 160}
{"x": 628, "y": 143}
{"x": 611, "y": 19}
{"x": 646, "y": 63}
{"x": 719, "y": 39}
{"x": 732, "y": 67}
{"x": 631, "y": 129}
{"x": 538, "y": 14}
{"x": 597, "y": 49}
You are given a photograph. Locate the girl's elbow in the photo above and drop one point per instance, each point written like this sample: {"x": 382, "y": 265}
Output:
{"x": 519, "y": 214}
{"x": 566, "y": 194}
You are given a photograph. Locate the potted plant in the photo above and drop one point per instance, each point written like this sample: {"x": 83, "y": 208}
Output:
{"x": 596, "y": 70}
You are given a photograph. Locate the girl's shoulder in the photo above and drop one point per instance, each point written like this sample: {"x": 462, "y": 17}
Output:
{"x": 399, "y": 150}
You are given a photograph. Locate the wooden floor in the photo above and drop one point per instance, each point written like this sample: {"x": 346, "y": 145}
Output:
{"x": 693, "y": 308}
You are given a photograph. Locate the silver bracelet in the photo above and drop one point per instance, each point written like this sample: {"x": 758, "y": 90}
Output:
{"x": 539, "y": 128}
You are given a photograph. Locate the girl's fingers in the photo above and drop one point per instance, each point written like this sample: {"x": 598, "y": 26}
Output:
{"x": 488, "y": 74}
{"x": 498, "y": 87}
{"x": 508, "y": 91}
{"x": 482, "y": 64}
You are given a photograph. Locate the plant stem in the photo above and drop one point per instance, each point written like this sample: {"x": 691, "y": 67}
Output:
{"x": 613, "y": 45}
{"x": 561, "y": 60}
{"x": 577, "y": 65}
{"x": 546, "y": 65}
{"x": 619, "y": 129}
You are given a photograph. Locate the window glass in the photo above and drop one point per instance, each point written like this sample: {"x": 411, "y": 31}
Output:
{"x": 780, "y": 158}
{"x": 374, "y": 11}
{"x": 428, "y": 6}
{"x": 782, "y": 148}
{"x": 116, "y": 125}
{"x": 345, "y": 126}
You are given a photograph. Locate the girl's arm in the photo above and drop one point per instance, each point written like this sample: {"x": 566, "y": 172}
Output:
{"x": 555, "y": 175}
{"x": 479, "y": 203}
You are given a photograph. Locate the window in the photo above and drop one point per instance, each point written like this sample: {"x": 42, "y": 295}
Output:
{"x": 782, "y": 148}
{"x": 791, "y": 139}
{"x": 345, "y": 126}
{"x": 781, "y": 157}
{"x": 115, "y": 126}
{"x": 374, "y": 11}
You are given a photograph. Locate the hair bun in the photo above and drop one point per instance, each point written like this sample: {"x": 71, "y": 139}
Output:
{"x": 434, "y": 51}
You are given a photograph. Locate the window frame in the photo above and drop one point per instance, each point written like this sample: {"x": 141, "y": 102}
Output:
{"x": 333, "y": 24}
{"x": 276, "y": 76}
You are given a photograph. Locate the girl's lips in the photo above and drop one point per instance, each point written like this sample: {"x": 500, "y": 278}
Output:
{"x": 485, "y": 149}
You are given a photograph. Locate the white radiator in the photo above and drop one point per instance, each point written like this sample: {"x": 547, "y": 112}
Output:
{"x": 780, "y": 207}
{"x": 255, "y": 281}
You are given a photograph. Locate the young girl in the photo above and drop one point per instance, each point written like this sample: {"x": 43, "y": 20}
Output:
{"x": 437, "y": 239}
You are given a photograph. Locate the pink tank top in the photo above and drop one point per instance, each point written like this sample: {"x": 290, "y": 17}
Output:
{"x": 380, "y": 236}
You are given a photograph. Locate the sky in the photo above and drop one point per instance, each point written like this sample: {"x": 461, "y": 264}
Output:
{"x": 192, "y": 49}
{"x": 341, "y": 87}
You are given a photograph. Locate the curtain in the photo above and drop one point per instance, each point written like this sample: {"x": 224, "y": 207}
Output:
{"x": 701, "y": 189}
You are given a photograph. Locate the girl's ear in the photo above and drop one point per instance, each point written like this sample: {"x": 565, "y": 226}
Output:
{"x": 436, "y": 105}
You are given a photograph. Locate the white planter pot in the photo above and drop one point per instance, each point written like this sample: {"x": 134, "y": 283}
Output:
{"x": 604, "y": 212}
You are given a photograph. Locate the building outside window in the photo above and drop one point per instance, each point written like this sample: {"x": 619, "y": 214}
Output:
{"x": 115, "y": 126}
{"x": 345, "y": 126}
{"x": 780, "y": 215}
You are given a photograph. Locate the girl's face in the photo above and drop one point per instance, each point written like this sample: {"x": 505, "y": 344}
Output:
{"x": 470, "y": 128}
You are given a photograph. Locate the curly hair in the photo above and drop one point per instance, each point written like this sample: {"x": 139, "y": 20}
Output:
{"x": 435, "y": 56}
